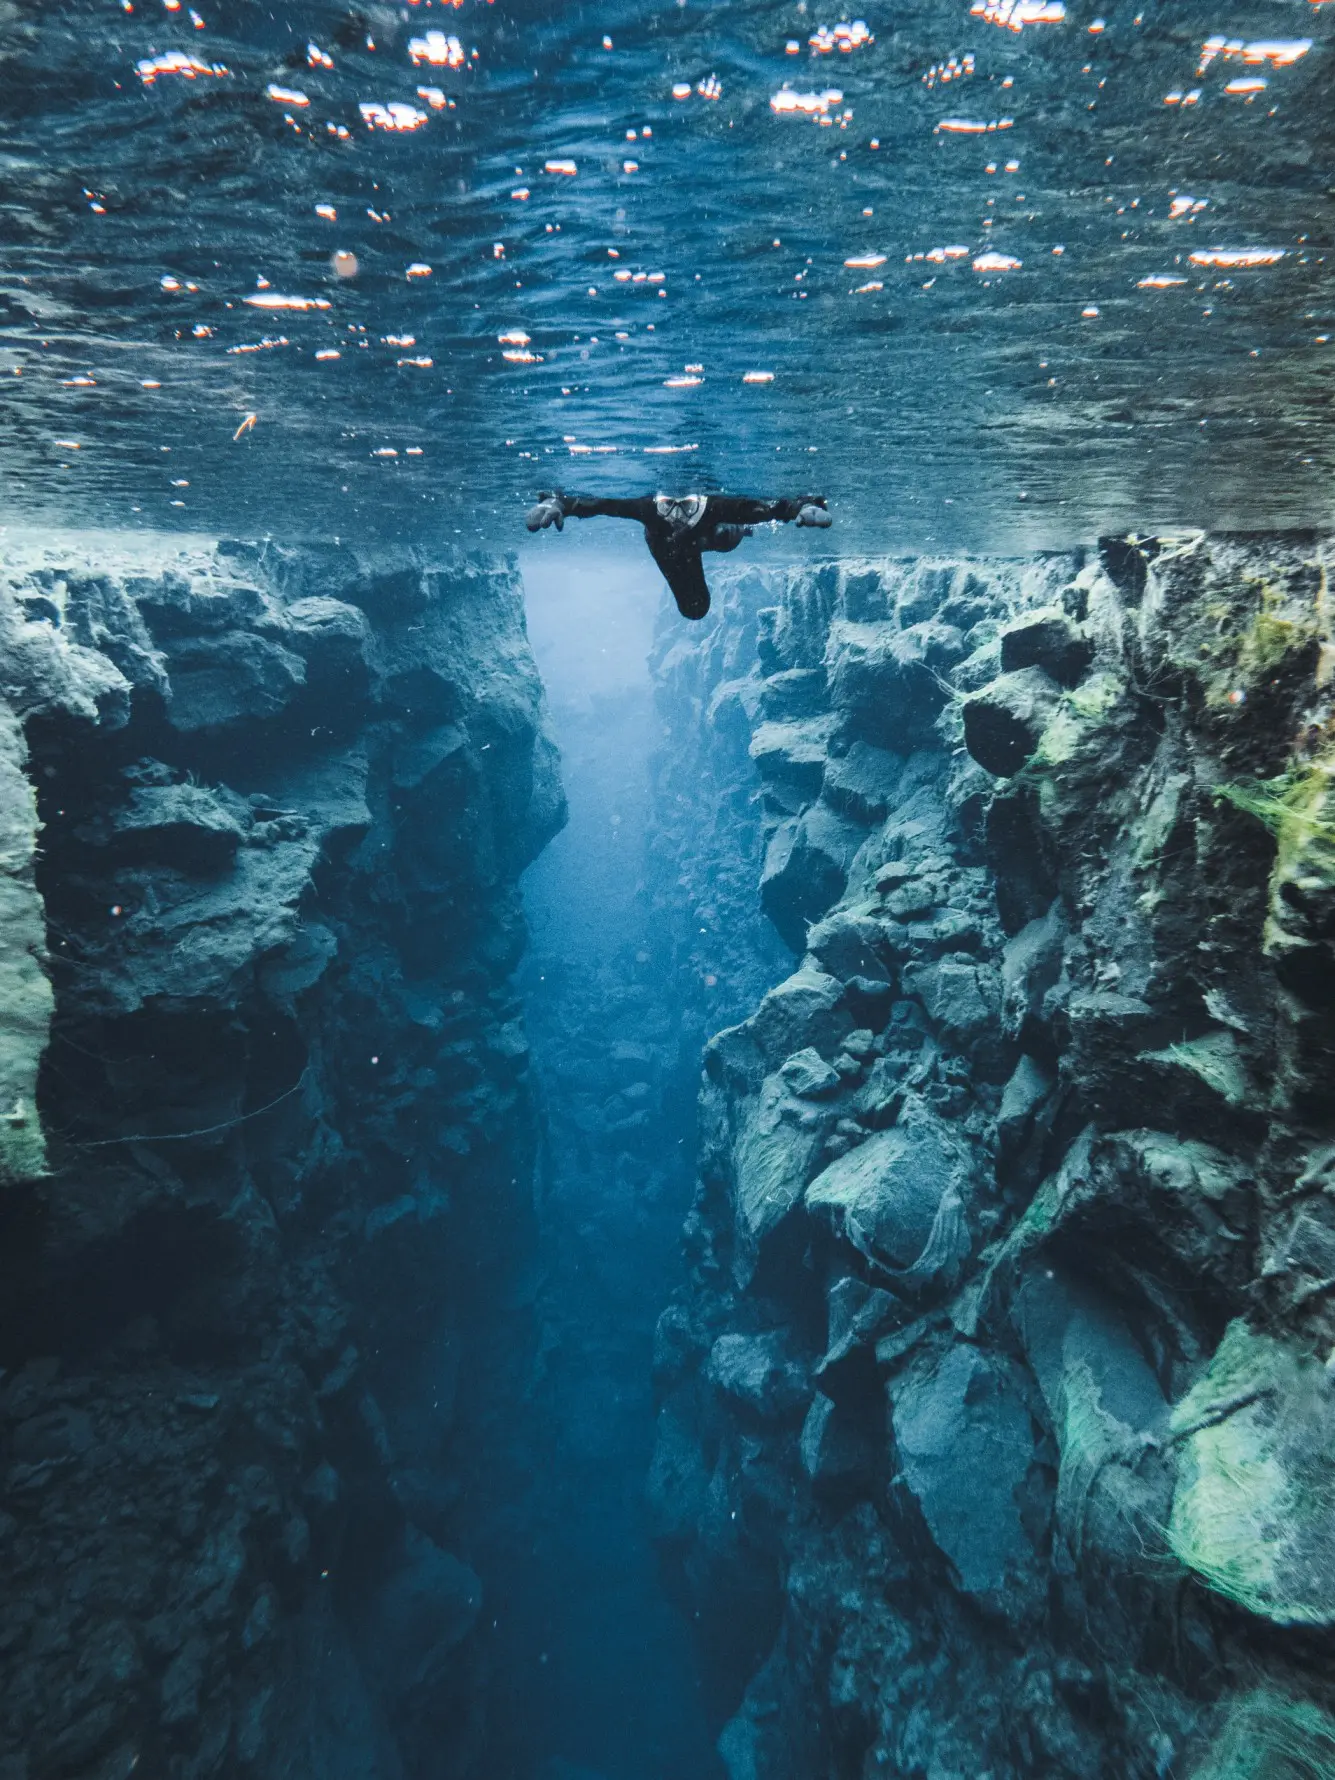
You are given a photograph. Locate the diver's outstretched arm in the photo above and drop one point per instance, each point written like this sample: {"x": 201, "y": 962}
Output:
{"x": 586, "y": 506}
{"x": 740, "y": 509}
{"x": 556, "y": 508}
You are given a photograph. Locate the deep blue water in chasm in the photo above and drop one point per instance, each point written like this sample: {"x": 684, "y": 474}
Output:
{"x": 594, "y": 1665}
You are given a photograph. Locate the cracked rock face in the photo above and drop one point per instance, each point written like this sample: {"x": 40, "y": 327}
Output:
{"x": 1013, "y": 1213}
{"x": 262, "y": 812}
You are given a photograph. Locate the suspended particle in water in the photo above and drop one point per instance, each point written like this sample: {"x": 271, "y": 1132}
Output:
{"x": 343, "y": 263}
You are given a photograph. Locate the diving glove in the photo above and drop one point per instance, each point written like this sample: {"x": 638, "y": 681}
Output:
{"x": 814, "y": 515}
{"x": 548, "y": 511}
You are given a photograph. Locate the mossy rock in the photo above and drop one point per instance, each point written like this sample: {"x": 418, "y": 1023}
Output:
{"x": 25, "y": 993}
{"x": 1254, "y": 1508}
{"x": 1254, "y": 632}
{"x": 1215, "y": 1061}
{"x": 1298, "y": 807}
{"x": 1268, "y": 1737}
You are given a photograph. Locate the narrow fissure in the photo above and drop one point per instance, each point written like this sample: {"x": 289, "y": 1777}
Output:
{"x": 594, "y": 1671}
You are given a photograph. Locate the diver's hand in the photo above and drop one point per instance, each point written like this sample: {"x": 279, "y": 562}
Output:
{"x": 813, "y": 513}
{"x": 547, "y": 512}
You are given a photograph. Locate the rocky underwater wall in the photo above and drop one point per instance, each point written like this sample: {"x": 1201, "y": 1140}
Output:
{"x": 997, "y": 1425}
{"x": 266, "y": 1143}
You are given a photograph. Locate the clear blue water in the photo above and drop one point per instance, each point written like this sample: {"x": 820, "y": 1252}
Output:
{"x": 980, "y": 283}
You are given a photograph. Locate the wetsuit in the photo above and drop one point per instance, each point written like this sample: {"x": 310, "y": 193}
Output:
{"x": 678, "y": 529}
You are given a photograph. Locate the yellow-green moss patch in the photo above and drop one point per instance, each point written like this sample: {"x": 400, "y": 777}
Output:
{"x": 25, "y": 993}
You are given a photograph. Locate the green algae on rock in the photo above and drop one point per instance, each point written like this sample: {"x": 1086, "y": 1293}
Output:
{"x": 1254, "y": 1509}
{"x": 1268, "y": 1736}
{"x": 25, "y": 994}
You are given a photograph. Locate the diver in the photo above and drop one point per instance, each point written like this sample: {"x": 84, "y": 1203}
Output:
{"x": 678, "y": 528}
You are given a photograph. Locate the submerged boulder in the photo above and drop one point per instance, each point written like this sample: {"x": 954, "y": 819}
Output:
{"x": 1108, "y": 1414}
{"x": 1003, "y": 722}
{"x": 805, "y": 1009}
{"x": 889, "y": 681}
{"x": 775, "y": 1146}
{"x": 758, "y": 1373}
{"x": 218, "y": 681}
{"x": 967, "y": 1449}
{"x": 900, "y": 1199}
{"x": 1049, "y": 639}
{"x": 806, "y": 868}
{"x": 422, "y": 1611}
{"x": 792, "y": 753}
{"x": 809, "y": 1076}
{"x": 862, "y": 784}
{"x": 1266, "y": 1735}
{"x": 835, "y": 1451}
{"x": 1254, "y": 1508}
{"x": 188, "y": 826}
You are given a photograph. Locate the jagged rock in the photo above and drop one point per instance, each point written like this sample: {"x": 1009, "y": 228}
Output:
{"x": 900, "y": 1200}
{"x": 678, "y": 1479}
{"x": 890, "y": 681}
{"x": 878, "y": 1100}
{"x": 808, "y": 1075}
{"x": 870, "y": 997}
{"x": 851, "y": 943}
{"x": 966, "y": 1446}
{"x": 335, "y": 641}
{"x": 776, "y": 1142}
{"x": 421, "y": 1613}
{"x": 862, "y": 784}
{"x": 218, "y": 681}
{"x": 1050, "y": 640}
{"x": 758, "y": 1372}
{"x": 794, "y": 693}
{"x": 1024, "y": 1093}
{"x": 1030, "y": 965}
{"x": 188, "y": 826}
{"x": 1025, "y": 882}
{"x": 1004, "y": 722}
{"x": 1130, "y": 1013}
{"x": 806, "y": 866}
{"x": 793, "y": 753}
{"x": 1109, "y": 1415}
{"x": 836, "y": 1453}
{"x": 252, "y": 1107}
{"x": 857, "y": 1315}
{"x": 805, "y": 1009}
{"x": 962, "y": 998}
{"x": 301, "y": 965}
{"x": 1213, "y": 1062}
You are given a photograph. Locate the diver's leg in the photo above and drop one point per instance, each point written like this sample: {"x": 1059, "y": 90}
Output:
{"x": 684, "y": 573}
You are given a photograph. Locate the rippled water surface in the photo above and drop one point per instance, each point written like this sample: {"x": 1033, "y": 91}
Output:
{"x": 1002, "y": 274}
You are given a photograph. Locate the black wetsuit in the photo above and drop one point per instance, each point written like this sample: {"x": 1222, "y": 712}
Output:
{"x": 679, "y": 531}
